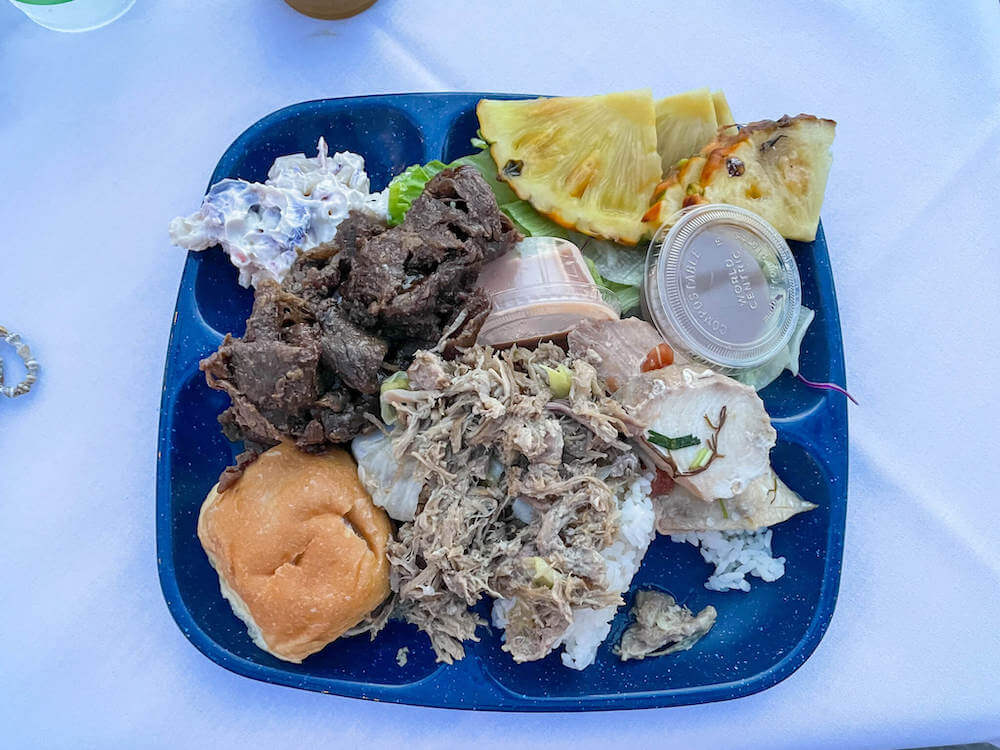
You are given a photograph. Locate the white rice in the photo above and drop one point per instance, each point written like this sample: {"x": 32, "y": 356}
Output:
{"x": 591, "y": 626}
{"x": 584, "y": 635}
{"x": 736, "y": 554}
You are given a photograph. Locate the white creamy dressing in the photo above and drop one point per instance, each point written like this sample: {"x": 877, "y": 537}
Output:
{"x": 263, "y": 226}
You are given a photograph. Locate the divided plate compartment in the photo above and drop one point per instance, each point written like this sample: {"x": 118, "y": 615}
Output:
{"x": 761, "y": 636}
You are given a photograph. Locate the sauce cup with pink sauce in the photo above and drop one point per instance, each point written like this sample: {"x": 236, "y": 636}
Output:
{"x": 540, "y": 290}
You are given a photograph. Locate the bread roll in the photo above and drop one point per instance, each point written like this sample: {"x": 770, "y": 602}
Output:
{"x": 299, "y": 547}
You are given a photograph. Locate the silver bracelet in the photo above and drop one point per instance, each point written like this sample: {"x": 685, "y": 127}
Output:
{"x": 30, "y": 365}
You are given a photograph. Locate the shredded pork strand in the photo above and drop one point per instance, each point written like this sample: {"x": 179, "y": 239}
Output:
{"x": 483, "y": 431}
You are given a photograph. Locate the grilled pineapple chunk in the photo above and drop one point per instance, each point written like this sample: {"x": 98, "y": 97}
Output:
{"x": 778, "y": 169}
{"x": 588, "y": 163}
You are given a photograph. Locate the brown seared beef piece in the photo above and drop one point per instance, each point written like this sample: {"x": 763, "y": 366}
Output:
{"x": 352, "y": 234}
{"x": 275, "y": 311}
{"x": 266, "y": 378}
{"x": 459, "y": 200}
{"x": 351, "y": 352}
{"x": 276, "y": 376}
{"x": 317, "y": 273}
{"x": 279, "y": 376}
{"x": 413, "y": 279}
{"x": 231, "y": 473}
{"x": 313, "y": 276}
{"x": 342, "y": 414}
{"x": 462, "y": 332}
{"x": 349, "y": 311}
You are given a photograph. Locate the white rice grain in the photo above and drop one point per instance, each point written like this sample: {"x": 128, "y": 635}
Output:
{"x": 735, "y": 555}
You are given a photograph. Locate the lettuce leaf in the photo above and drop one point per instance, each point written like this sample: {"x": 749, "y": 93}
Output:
{"x": 628, "y": 297}
{"x": 531, "y": 223}
{"x": 617, "y": 263}
{"x": 407, "y": 186}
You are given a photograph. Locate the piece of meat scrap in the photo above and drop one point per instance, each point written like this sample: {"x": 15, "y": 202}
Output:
{"x": 426, "y": 373}
{"x": 616, "y": 348}
{"x": 662, "y": 627}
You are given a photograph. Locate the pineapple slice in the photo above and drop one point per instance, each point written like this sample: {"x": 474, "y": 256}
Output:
{"x": 684, "y": 123}
{"x": 777, "y": 169}
{"x": 723, "y": 114}
{"x": 588, "y": 163}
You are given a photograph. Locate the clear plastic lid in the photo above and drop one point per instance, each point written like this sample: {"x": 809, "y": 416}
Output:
{"x": 540, "y": 290}
{"x": 722, "y": 286}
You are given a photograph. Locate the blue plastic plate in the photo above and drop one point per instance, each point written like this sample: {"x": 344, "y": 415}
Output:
{"x": 761, "y": 636}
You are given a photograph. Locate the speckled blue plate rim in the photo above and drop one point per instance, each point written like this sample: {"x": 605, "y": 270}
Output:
{"x": 489, "y": 696}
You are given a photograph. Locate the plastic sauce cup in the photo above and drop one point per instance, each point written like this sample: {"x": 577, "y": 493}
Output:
{"x": 722, "y": 286}
{"x": 540, "y": 290}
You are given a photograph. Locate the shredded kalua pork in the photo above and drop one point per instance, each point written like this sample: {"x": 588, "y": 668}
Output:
{"x": 486, "y": 435}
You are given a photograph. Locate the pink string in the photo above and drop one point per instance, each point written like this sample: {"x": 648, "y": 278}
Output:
{"x": 828, "y": 387}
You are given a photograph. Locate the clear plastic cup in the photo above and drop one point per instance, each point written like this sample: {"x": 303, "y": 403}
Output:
{"x": 73, "y": 15}
{"x": 540, "y": 290}
{"x": 722, "y": 286}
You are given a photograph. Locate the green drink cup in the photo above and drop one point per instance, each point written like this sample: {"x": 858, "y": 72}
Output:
{"x": 73, "y": 15}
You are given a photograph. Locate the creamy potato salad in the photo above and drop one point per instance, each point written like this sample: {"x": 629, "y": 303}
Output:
{"x": 261, "y": 226}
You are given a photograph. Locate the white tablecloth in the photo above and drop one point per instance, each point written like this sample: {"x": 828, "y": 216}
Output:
{"x": 107, "y": 135}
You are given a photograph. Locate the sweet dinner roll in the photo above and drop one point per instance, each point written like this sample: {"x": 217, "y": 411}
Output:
{"x": 299, "y": 547}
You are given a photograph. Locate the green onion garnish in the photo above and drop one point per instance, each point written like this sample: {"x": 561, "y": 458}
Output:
{"x": 672, "y": 443}
{"x": 700, "y": 459}
{"x": 560, "y": 380}
{"x": 725, "y": 513}
{"x": 398, "y": 381}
